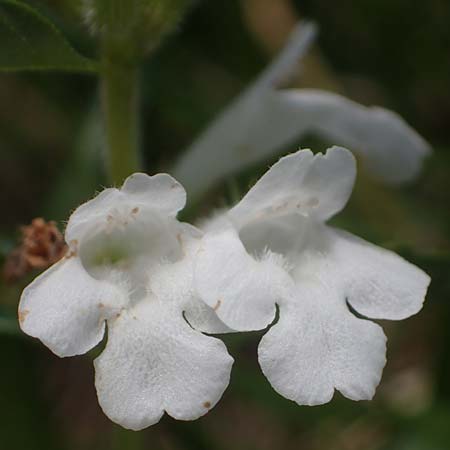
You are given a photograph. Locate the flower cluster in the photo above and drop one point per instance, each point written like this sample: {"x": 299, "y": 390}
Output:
{"x": 158, "y": 284}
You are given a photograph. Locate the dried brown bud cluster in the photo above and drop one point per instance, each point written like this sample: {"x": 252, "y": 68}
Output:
{"x": 42, "y": 245}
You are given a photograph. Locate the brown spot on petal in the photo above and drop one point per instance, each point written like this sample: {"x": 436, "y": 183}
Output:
{"x": 135, "y": 210}
{"x": 282, "y": 206}
{"x": 23, "y": 314}
{"x": 217, "y": 305}
{"x": 207, "y": 405}
{"x": 313, "y": 201}
{"x": 101, "y": 305}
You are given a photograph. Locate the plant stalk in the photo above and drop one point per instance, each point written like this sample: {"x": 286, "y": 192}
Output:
{"x": 120, "y": 99}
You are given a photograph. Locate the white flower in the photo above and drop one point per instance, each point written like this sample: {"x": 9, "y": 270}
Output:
{"x": 264, "y": 120}
{"x": 274, "y": 248}
{"x": 130, "y": 265}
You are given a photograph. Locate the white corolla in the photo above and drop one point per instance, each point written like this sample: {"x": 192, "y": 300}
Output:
{"x": 130, "y": 266}
{"x": 274, "y": 248}
{"x": 265, "y": 119}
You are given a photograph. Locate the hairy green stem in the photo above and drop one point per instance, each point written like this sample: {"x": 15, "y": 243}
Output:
{"x": 120, "y": 98}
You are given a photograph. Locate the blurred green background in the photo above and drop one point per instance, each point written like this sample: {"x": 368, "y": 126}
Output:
{"x": 395, "y": 53}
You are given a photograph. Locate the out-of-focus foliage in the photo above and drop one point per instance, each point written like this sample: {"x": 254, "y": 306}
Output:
{"x": 29, "y": 41}
{"x": 385, "y": 52}
{"x": 143, "y": 22}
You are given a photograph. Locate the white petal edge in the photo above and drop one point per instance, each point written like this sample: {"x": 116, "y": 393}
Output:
{"x": 155, "y": 362}
{"x": 261, "y": 123}
{"x": 160, "y": 193}
{"x": 311, "y": 185}
{"x": 85, "y": 217}
{"x": 286, "y": 62}
{"x": 174, "y": 283}
{"x": 203, "y": 318}
{"x": 377, "y": 282}
{"x": 66, "y": 308}
{"x": 391, "y": 149}
{"x": 241, "y": 290}
{"x": 318, "y": 346}
{"x": 238, "y": 137}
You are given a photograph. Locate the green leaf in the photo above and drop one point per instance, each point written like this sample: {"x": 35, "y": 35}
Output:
{"x": 29, "y": 41}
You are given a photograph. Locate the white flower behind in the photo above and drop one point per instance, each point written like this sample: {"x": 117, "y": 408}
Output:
{"x": 130, "y": 266}
{"x": 264, "y": 119}
{"x": 275, "y": 248}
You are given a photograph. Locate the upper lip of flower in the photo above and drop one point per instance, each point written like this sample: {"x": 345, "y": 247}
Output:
{"x": 150, "y": 343}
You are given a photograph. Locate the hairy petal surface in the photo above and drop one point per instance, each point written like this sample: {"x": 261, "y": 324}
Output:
{"x": 318, "y": 346}
{"x": 311, "y": 185}
{"x": 140, "y": 193}
{"x": 66, "y": 308}
{"x": 241, "y": 289}
{"x": 155, "y": 362}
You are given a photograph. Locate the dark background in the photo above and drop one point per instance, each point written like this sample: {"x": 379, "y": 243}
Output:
{"x": 395, "y": 53}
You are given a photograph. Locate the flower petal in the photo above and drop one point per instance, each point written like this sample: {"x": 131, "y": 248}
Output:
{"x": 312, "y": 185}
{"x": 155, "y": 362}
{"x": 241, "y": 290}
{"x": 286, "y": 62}
{"x": 161, "y": 192}
{"x": 174, "y": 283}
{"x": 203, "y": 318}
{"x": 318, "y": 346}
{"x": 391, "y": 149}
{"x": 286, "y": 235}
{"x": 246, "y": 132}
{"x": 86, "y": 217}
{"x": 65, "y": 308}
{"x": 378, "y": 283}
{"x": 263, "y": 121}
{"x": 140, "y": 193}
